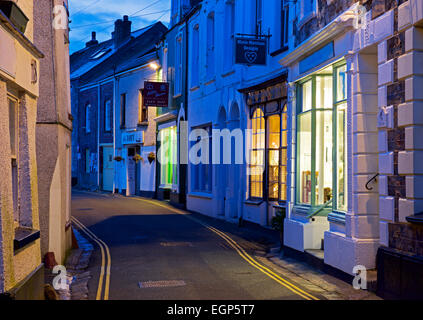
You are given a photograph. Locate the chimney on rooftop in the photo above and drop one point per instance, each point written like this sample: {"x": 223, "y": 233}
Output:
{"x": 93, "y": 40}
{"x": 122, "y": 31}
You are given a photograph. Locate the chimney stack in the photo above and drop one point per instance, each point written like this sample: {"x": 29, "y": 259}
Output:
{"x": 122, "y": 31}
{"x": 93, "y": 40}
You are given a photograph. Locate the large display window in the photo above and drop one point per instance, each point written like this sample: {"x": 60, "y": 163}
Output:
{"x": 168, "y": 165}
{"x": 322, "y": 139}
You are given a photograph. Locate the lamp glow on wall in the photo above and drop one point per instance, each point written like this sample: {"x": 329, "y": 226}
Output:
{"x": 154, "y": 65}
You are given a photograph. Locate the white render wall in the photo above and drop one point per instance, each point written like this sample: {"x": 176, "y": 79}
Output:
{"x": 221, "y": 93}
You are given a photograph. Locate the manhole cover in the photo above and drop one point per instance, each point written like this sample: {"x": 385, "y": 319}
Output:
{"x": 176, "y": 244}
{"x": 162, "y": 284}
{"x": 85, "y": 209}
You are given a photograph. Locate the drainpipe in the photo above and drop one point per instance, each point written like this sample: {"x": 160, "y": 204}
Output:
{"x": 114, "y": 128}
{"x": 185, "y": 188}
{"x": 98, "y": 134}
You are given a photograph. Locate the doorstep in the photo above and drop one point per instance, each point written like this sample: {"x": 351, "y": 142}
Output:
{"x": 315, "y": 259}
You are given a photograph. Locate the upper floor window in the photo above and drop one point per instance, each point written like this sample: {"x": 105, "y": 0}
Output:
{"x": 258, "y": 6}
{"x": 178, "y": 66}
{"x": 108, "y": 116}
{"x": 123, "y": 110}
{"x": 307, "y": 10}
{"x": 229, "y": 33}
{"x": 284, "y": 23}
{"x": 195, "y": 69}
{"x": 210, "y": 45}
{"x": 142, "y": 109}
{"x": 14, "y": 140}
{"x": 88, "y": 118}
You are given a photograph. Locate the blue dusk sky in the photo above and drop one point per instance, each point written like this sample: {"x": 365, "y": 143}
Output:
{"x": 99, "y": 16}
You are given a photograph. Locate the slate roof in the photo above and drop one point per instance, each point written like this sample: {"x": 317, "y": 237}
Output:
{"x": 140, "y": 49}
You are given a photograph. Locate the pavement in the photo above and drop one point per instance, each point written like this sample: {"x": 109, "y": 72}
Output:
{"x": 148, "y": 250}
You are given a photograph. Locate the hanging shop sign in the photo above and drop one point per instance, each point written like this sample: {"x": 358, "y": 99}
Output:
{"x": 156, "y": 94}
{"x": 271, "y": 93}
{"x": 135, "y": 137}
{"x": 250, "y": 51}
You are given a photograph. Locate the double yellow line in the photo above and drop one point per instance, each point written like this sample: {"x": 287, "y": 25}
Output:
{"x": 105, "y": 257}
{"x": 290, "y": 286}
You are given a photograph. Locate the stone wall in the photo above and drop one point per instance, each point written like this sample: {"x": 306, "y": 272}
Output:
{"x": 327, "y": 12}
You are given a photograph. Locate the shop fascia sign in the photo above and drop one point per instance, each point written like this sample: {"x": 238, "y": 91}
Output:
{"x": 135, "y": 137}
{"x": 270, "y": 93}
{"x": 156, "y": 94}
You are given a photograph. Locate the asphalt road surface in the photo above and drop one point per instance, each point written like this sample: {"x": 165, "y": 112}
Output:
{"x": 160, "y": 253}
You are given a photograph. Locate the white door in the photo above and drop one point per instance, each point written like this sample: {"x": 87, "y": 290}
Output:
{"x": 108, "y": 169}
{"x": 132, "y": 167}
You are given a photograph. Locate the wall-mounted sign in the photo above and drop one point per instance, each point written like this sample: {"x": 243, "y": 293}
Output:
{"x": 250, "y": 51}
{"x": 135, "y": 137}
{"x": 156, "y": 94}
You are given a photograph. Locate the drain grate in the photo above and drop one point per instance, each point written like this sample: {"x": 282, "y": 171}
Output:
{"x": 162, "y": 284}
{"x": 176, "y": 244}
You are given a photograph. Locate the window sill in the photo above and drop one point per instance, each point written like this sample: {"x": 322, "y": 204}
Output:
{"x": 253, "y": 202}
{"x": 143, "y": 124}
{"x": 279, "y": 51}
{"x": 201, "y": 195}
{"x": 23, "y": 237}
{"x": 337, "y": 217}
{"x": 194, "y": 88}
{"x": 210, "y": 82}
{"x": 177, "y": 96}
{"x": 228, "y": 73}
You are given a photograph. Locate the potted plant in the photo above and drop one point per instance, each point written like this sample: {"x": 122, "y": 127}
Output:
{"x": 278, "y": 223}
{"x": 151, "y": 157}
{"x": 137, "y": 158}
{"x": 118, "y": 158}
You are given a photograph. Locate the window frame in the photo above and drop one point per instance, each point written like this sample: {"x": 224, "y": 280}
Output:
{"x": 197, "y": 177}
{"x": 14, "y": 157}
{"x": 108, "y": 122}
{"x": 88, "y": 118}
{"x": 123, "y": 110}
{"x": 210, "y": 46}
{"x": 142, "y": 109}
{"x": 265, "y": 182}
{"x": 313, "y": 151}
{"x": 195, "y": 70}
{"x": 284, "y": 24}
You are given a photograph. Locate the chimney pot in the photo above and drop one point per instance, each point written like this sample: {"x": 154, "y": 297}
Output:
{"x": 93, "y": 35}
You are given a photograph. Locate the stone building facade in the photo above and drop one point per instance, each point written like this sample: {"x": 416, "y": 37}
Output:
{"x": 54, "y": 127}
{"x": 21, "y": 268}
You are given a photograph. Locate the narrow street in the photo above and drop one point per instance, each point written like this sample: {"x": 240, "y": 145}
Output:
{"x": 158, "y": 252}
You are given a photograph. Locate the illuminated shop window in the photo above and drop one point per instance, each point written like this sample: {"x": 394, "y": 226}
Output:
{"x": 257, "y": 154}
{"x": 321, "y": 134}
{"x": 168, "y": 149}
{"x": 269, "y": 141}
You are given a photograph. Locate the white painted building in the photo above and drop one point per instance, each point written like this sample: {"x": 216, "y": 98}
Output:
{"x": 353, "y": 90}
{"x": 221, "y": 96}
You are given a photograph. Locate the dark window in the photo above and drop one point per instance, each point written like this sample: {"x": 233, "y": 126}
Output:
{"x": 284, "y": 23}
{"x": 123, "y": 110}
{"x": 143, "y": 110}
{"x": 108, "y": 116}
